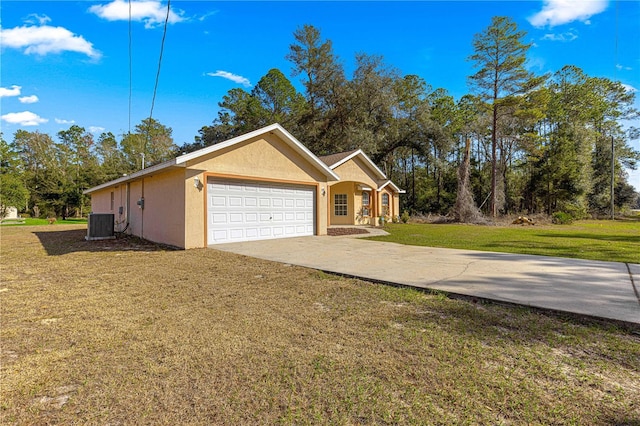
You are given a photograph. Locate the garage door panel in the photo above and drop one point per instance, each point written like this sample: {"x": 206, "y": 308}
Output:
{"x": 265, "y": 232}
{"x": 217, "y": 186}
{"x": 218, "y": 201}
{"x": 244, "y": 211}
{"x": 236, "y": 218}
{"x": 265, "y": 217}
{"x": 219, "y": 218}
{"x": 220, "y": 235}
{"x": 236, "y": 234}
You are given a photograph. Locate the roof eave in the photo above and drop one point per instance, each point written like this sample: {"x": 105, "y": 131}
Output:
{"x": 134, "y": 176}
{"x": 373, "y": 166}
{"x": 393, "y": 185}
{"x": 276, "y": 128}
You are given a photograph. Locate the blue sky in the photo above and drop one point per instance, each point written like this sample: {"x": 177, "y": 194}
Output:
{"x": 67, "y": 62}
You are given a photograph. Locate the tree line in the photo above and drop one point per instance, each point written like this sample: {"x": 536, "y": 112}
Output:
{"x": 43, "y": 176}
{"x": 536, "y": 143}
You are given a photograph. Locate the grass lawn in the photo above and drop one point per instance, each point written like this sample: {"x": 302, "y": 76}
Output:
{"x": 125, "y": 332}
{"x": 32, "y": 221}
{"x": 616, "y": 241}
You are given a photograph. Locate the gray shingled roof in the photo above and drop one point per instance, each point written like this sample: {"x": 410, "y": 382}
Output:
{"x": 332, "y": 159}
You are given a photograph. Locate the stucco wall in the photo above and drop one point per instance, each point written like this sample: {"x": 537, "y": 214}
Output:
{"x": 162, "y": 219}
{"x": 358, "y": 171}
{"x": 265, "y": 159}
{"x": 352, "y": 173}
{"x": 101, "y": 201}
{"x": 347, "y": 188}
{"x": 174, "y": 209}
{"x": 396, "y": 205}
{"x": 194, "y": 209}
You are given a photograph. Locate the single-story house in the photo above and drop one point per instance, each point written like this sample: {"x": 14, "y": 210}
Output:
{"x": 261, "y": 185}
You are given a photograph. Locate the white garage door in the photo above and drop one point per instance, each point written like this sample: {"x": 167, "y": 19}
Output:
{"x": 246, "y": 211}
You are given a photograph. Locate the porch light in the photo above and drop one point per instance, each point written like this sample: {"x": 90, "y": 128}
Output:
{"x": 324, "y": 192}
{"x": 196, "y": 182}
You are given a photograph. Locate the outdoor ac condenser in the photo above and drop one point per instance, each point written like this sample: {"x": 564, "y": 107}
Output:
{"x": 100, "y": 226}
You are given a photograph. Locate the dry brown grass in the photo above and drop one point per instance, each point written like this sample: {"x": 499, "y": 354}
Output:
{"x": 124, "y": 332}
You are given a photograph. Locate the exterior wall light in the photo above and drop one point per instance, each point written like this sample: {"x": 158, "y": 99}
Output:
{"x": 196, "y": 182}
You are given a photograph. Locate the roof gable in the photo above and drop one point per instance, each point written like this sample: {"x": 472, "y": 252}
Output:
{"x": 274, "y": 129}
{"x": 335, "y": 160}
{"x": 182, "y": 160}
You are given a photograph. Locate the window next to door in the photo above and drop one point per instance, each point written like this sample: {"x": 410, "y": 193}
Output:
{"x": 113, "y": 200}
{"x": 385, "y": 204}
{"x": 365, "y": 204}
{"x": 340, "y": 204}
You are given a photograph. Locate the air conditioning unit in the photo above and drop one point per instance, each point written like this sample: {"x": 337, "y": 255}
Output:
{"x": 100, "y": 227}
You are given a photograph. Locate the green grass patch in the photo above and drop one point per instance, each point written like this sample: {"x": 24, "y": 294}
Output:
{"x": 32, "y": 221}
{"x": 616, "y": 241}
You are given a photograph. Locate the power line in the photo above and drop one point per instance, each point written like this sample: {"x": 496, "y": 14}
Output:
{"x": 130, "y": 67}
{"x": 164, "y": 35}
{"x": 155, "y": 87}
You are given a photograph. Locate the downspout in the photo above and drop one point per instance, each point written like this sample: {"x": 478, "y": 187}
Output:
{"x": 128, "y": 207}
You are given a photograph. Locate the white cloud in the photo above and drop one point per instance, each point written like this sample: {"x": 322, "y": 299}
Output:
{"x": 96, "y": 129}
{"x": 13, "y": 91}
{"x": 564, "y": 37}
{"x": 622, "y": 67}
{"x": 559, "y": 12}
{"x": 230, "y": 76}
{"x": 629, "y": 88}
{"x": 28, "y": 99}
{"x": 24, "y": 118}
{"x": 41, "y": 40}
{"x": 151, "y": 12}
{"x": 535, "y": 63}
{"x": 34, "y": 18}
{"x": 207, "y": 15}
{"x": 61, "y": 121}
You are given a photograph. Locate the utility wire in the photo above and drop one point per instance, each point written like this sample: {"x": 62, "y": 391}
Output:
{"x": 130, "y": 67}
{"x": 155, "y": 87}
{"x": 615, "y": 48}
{"x": 164, "y": 36}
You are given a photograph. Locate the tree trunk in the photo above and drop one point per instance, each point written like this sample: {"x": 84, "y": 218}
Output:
{"x": 465, "y": 209}
{"x": 494, "y": 142}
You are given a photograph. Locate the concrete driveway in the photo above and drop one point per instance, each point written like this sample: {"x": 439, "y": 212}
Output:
{"x": 599, "y": 289}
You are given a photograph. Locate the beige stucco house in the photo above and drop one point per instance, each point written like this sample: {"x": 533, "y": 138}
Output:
{"x": 264, "y": 184}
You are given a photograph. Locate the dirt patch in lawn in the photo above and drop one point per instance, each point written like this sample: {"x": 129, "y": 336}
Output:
{"x": 125, "y": 332}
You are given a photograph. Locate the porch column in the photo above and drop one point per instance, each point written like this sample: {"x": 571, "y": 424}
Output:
{"x": 374, "y": 206}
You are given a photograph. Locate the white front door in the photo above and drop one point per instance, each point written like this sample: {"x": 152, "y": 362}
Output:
{"x": 246, "y": 211}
